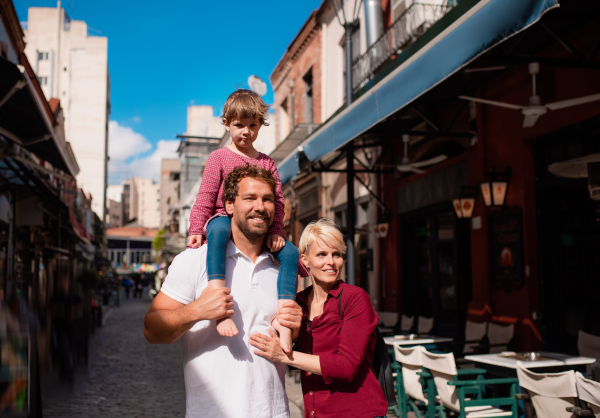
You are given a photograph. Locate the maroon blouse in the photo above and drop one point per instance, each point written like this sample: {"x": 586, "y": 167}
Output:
{"x": 345, "y": 346}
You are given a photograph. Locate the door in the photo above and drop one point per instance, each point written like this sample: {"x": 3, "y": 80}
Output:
{"x": 436, "y": 278}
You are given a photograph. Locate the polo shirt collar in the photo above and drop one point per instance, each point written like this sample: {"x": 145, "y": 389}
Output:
{"x": 232, "y": 250}
{"x": 334, "y": 292}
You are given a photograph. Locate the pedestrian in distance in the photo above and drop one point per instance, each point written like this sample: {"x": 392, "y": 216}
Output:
{"x": 244, "y": 114}
{"x": 336, "y": 345}
{"x": 223, "y": 377}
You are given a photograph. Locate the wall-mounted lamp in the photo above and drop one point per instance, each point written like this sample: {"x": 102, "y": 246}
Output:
{"x": 494, "y": 188}
{"x": 465, "y": 203}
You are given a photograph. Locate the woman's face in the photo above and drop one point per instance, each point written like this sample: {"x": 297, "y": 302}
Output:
{"x": 324, "y": 262}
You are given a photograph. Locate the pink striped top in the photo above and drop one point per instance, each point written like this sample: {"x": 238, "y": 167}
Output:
{"x": 210, "y": 197}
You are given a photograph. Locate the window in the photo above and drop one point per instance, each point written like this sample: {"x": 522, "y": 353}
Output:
{"x": 308, "y": 97}
{"x": 42, "y": 56}
{"x": 43, "y": 81}
{"x": 284, "y": 120}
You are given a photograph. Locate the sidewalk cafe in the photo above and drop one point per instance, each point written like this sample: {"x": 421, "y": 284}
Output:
{"x": 477, "y": 150}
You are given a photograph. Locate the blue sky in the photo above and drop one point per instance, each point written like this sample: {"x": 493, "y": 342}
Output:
{"x": 162, "y": 55}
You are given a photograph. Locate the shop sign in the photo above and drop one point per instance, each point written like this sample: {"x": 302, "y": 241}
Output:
{"x": 507, "y": 249}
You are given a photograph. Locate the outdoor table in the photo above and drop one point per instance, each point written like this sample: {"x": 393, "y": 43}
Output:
{"x": 419, "y": 340}
{"x": 386, "y": 330}
{"x": 550, "y": 363}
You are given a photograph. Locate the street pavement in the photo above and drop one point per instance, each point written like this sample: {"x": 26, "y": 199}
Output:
{"x": 127, "y": 376}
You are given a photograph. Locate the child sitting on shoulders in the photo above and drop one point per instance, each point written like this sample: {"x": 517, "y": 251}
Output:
{"x": 244, "y": 114}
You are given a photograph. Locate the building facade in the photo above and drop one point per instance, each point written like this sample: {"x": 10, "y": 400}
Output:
{"x": 72, "y": 65}
{"x": 169, "y": 194}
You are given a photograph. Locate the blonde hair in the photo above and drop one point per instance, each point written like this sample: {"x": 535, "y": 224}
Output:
{"x": 324, "y": 230}
{"x": 242, "y": 104}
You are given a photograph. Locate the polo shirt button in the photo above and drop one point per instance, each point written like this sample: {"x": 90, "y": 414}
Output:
{"x": 308, "y": 373}
{"x": 310, "y": 393}
{"x": 312, "y": 412}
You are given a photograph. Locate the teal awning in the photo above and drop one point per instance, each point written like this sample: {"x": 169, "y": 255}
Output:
{"x": 482, "y": 25}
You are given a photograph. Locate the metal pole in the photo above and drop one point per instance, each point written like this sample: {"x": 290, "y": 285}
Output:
{"x": 348, "y": 26}
{"x": 351, "y": 216}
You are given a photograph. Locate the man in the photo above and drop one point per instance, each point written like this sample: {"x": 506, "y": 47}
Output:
{"x": 223, "y": 377}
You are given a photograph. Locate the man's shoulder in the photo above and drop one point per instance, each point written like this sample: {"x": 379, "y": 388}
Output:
{"x": 192, "y": 257}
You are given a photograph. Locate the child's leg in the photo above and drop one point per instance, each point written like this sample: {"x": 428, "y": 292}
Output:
{"x": 287, "y": 285}
{"x": 218, "y": 232}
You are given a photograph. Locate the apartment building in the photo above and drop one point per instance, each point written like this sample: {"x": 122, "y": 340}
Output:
{"x": 169, "y": 194}
{"x": 71, "y": 64}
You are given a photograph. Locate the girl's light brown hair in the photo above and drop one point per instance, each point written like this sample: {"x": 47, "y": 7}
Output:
{"x": 242, "y": 104}
{"x": 324, "y": 230}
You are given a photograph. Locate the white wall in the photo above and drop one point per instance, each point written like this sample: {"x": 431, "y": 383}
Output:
{"x": 148, "y": 207}
{"x": 114, "y": 192}
{"x": 202, "y": 122}
{"x": 77, "y": 73}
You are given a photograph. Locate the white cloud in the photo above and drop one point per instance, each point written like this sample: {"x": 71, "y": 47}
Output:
{"x": 124, "y": 142}
{"x": 132, "y": 155}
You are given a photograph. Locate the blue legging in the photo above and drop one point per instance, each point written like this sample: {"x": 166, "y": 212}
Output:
{"x": 218, "y": 232}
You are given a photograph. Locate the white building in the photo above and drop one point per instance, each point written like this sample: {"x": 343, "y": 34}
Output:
{"x": 145, "y": 202}
{"x": 72, "y": 65}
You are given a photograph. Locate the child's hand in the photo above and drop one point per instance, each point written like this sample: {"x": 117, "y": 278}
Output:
{"x": 275, "y": 242}
{"x": 194, "y": 241}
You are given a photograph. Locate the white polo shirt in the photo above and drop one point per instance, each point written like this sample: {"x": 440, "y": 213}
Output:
{"x": 223, "y": 376}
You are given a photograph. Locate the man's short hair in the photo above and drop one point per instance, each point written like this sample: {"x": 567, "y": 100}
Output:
{"x": 232, "y": 180}
{"x": 243, "y": 104}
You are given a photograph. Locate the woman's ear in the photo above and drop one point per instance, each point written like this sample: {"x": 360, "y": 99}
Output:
{"x": 304, "y": 260}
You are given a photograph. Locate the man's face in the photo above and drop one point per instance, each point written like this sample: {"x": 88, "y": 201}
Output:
{"x": 253, "y": 209}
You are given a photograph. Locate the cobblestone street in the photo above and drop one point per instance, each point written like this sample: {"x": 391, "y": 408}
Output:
{"x": 129, "y": 377}
{"x": 126, "y": 376}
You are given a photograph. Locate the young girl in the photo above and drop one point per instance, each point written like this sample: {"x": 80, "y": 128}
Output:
{"x": 244, "y": 114}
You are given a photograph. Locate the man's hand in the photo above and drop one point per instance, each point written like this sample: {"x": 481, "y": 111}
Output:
{"x": 290, "y": 316}
{"x": 275, "y": 242}
{"x": 194, "y": 241}
{"x": 212, "y": 304}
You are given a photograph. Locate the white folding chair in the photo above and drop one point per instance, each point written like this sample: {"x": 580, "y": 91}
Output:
{"x": 474, "y": 332}
{"x": 589, "y": 346}
{"x": 452, "y": 391}
{"x": 550, "y": 393}
{"x": 406, "y": 323}
{"x": 499, "y": 336}
{"x": 588, "y": 391}
{"x": 388, "y": 319}
{"x": 425, "y": 325}
{"x": 410, "y": 388}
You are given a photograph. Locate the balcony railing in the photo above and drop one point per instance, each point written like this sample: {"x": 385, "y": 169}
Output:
{"x": 415, "y": 20}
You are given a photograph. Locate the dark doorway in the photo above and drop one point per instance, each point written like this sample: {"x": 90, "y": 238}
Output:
{"x": 568, "y": 224}
{"x": 436, "y": 279}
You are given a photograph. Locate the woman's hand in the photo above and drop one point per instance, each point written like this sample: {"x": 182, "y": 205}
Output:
{"x": 268, "y": 347}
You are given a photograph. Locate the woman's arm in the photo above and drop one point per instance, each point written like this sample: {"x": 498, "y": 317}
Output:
{"x": 206, "y": 200}
{"x": 268, "y": 347}
{"x": 359, "y": 322}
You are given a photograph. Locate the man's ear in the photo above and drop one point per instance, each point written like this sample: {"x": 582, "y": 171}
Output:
{"x": 229, "y": 208}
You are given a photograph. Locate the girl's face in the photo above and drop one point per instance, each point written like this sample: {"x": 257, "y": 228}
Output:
{"x": 243, "y": 132}
{"x": 324, "y": 262}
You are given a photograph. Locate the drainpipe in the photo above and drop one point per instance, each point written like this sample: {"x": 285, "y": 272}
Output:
{"x": 348, "y": 26}
{"x": 373, "y": 21}
{"x": 350, "y": 216}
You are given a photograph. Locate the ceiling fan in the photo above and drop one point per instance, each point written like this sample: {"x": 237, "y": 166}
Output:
{"x": 535, "y": 109}
{"x": 407, "y": 167}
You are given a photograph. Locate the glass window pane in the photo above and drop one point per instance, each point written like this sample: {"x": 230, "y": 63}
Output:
{"x": 447, "y": 282}
{"x": 446, "y": 226}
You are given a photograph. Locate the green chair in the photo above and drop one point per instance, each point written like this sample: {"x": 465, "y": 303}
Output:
{"x": 463, "y": 398}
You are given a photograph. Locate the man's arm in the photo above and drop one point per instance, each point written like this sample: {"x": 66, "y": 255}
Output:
{"x": 167, "y": 320}
{"x": 290, "y": 316}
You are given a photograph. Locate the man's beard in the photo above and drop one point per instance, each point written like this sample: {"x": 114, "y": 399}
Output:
{"x": 253, "y": 232}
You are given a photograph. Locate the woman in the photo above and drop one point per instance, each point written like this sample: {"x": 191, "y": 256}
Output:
{"x": 334, "y": 351}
